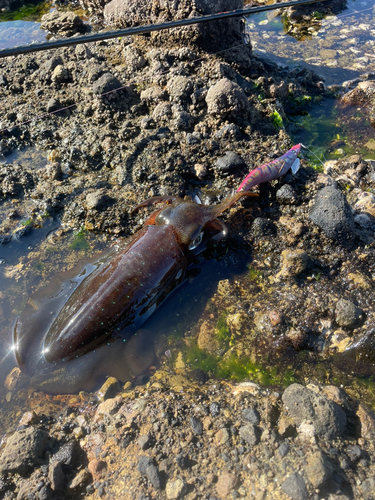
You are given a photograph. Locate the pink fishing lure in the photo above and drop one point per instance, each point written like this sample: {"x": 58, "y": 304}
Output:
{"x": 269, "y": 171}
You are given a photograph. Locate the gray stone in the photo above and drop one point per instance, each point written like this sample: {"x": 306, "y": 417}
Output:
{"x": 143, "y": 464}
{"x": 286, "y": 195}
{"x": 68, "y": 454}
{"x": 250, "y": 433}
{"x": 251, "y": 415}
{"x": 332, "y": 213}
{"x": 227, "y": 99}
{"x": 347, "y": 314}
{"x": 153, "y": 476}
{"x": 179, "y": 87}
{"x": 24, "y": 450}
{"x": 229, "y": 162}
{"x": 196, "y": 426}
{"x": 326, "y": 417}
{"x": 284, "y": 449}
{"x": 60, "y": 74}
{"x": 294, "y": 486}
{"x": 106, "y": 83}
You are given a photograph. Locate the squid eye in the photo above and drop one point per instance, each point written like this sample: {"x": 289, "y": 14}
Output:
{"x": 196, "y": 242}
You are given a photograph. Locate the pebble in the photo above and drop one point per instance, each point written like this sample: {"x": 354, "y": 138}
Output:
{"x": 176, "y": 489}
{"x": 225, "y": 484}
{"x": 250, "y": 434}
{"x": 293, "y": 263}
{"x": 347, "y": 314}
{"x": 196, "y": 426}
{"x": 286, "y": 195}
{"x": 229, "y": 162}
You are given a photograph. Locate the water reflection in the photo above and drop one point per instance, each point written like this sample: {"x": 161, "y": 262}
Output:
{"x": 338, "y": 47}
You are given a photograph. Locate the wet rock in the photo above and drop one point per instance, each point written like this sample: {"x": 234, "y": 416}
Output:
{"x": 348, "y": 315}
{"x": 24, "y": 450}
{"x": 97, "y": 200}
{"x": 109, "y": 389}
{"x": 229, "y": 162}
{"x": 304, "y": 405}
{"x": 293, "y": 263}
{"x": 176, "y": 489}
{"x": 227, "y": 99}
{"x": 56, "y": 21}
{"x": 225, "y": 484}
{"x": 250, "y": 434}
{"x": 109, "y": 406}
{"x": 262, "y": 227}
{"x": 15, "y": 380}
{"x": 106, "y": 83}
{"x": 332, "y": 213}
{"x": 318, "y": 469}
{"x": 295, "y": 487}
{"x": 286, "y": 195}
{"x": 29, "y": 418}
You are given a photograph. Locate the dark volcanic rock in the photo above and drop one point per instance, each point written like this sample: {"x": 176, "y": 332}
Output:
{"x": 24, "y": 450}
{"x": 348, "y": 314}
{"x": 303, "y": 405}
{"x": 332, "y": 213}
{"x": 229, "y": 162}
{"x": 294, "y": 486}
{"x": 106, "y": 83}
{"x": 227, "y": 99}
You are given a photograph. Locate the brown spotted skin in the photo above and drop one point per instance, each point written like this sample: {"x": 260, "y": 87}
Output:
{"x": 122, "y": 292}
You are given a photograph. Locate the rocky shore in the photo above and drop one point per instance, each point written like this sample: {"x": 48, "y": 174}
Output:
{"x": 290, "y": 312}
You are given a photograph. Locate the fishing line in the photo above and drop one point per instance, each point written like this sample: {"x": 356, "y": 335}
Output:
{"x": 123, "y": 87}
{"x": 312, "y": 152}
{"x": 140, "y": 30}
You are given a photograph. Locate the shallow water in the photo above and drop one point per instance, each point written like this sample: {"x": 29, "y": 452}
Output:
{"x": 338, "y": 48}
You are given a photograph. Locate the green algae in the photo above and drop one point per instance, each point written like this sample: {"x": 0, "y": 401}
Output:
{"x": 26, "y": 12}
{"x": 80, "y": 242}
{"x": 237, "y": 368}
{"x": 277, "y": 119}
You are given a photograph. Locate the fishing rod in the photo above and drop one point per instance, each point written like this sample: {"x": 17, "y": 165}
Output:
{"x": 141, "y": 30}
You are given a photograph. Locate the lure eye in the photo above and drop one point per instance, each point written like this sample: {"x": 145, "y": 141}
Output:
{"x": 196, "y": 242}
